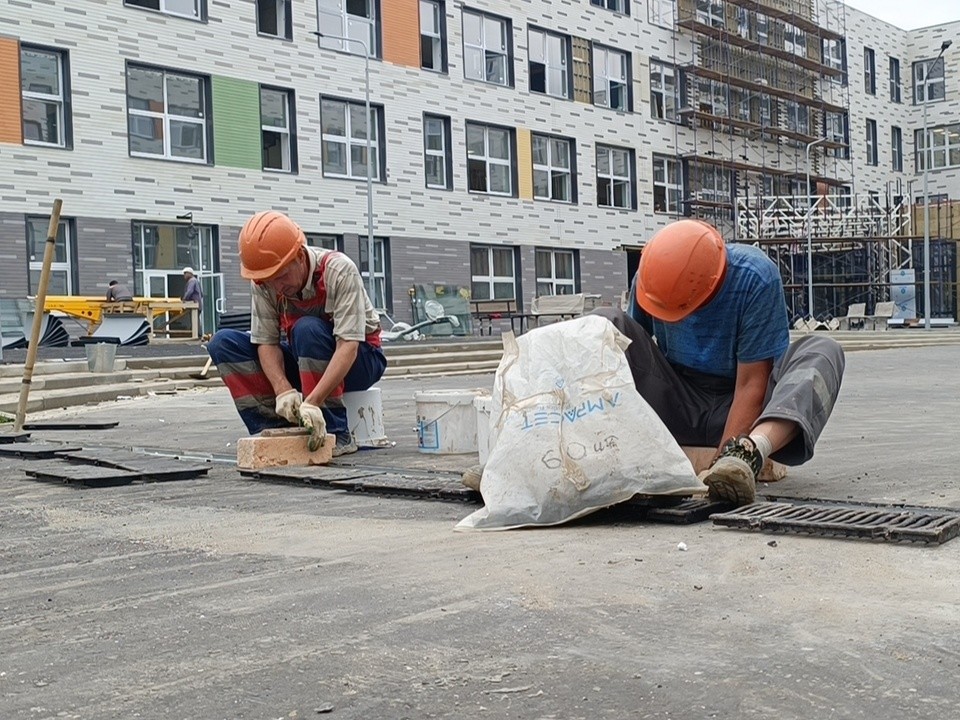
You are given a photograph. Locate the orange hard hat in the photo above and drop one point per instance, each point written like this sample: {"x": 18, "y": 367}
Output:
{"x": 680, "y": 268}
{"x": 268, "y": 241}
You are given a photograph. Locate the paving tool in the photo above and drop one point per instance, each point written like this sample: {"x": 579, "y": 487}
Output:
{"x": 202, "y": 375}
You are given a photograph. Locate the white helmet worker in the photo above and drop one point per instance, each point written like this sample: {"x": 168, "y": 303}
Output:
{"x": 188, "y": 270}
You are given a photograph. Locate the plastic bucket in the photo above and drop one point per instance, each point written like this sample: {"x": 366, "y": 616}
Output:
{"x": 446, "y": 421}
{"x": 101, "y": 357}
{"x": 365, "y": 417}
{"x": 483, "y": 405}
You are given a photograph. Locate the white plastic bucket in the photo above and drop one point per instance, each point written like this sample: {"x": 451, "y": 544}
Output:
{"x": 446, "y": 421}
{"x": 483, "y": 405}
{"x": 365, "y": 417}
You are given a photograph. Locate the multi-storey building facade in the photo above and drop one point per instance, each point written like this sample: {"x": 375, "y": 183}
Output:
{"x": 516, "y": 149}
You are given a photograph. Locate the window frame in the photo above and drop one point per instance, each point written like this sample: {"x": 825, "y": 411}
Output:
{"x": 206, "y": 121}
{"x": 446, "y": 153}
{"x": 507, "y": 26}
{"x": 63, "y": 100}
{"x": 666, "y": 186}
{"x": 706, "y": 13}
{"x": 290, "y": 131}
{"x": 612, "y": 178}
{"x": 491, "y": 278}
{"x": 658, "y": 89}
{"x": 896, "y": 86}
{"x": 924, "y": 154}
{"x": 339, "y": 11}
{"x": 622, "y": 6}
{"x": 201, "y": 6}
{"x": 511, "y": 163}
{"x": 627, "y": 79}
{"x": 68, "y": 266}
{"x": 658, "y": 10}
{"x": 566, "y": 62}
{"x": 550, "y": 168}
{"x": 870, "y": 136}
{"x": 317, "y": 240}
{"x": 440, "y": 8}
{"x": 382, "y": 278}
{"x": 573, "y": 283}
{"x": 378, "y": 141}
{"x": 287, "y": 19}
{"x": 869, "y": 71}
{"x": 921, "y": 85}
{"x": 896, "y": 148}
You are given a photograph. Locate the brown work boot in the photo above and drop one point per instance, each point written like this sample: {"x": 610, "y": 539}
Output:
{"x": 733, "y": 476}
{"x": 471, "y": 477}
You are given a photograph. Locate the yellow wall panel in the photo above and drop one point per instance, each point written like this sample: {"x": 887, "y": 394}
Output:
{"x": 401, "y": 32}
{"x": 524, "y": 164}
{"x": 11, "y": 117}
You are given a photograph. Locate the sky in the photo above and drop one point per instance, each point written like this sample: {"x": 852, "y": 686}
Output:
{"x": 910, "y": 15}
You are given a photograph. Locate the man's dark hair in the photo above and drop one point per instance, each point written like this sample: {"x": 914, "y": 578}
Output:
{"x": 112, "y": 283}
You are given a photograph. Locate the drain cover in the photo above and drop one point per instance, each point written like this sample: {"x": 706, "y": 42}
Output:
{"x": 867, "y": 521}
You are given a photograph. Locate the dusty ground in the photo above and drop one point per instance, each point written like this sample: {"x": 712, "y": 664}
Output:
{"x": 227, "y": 598}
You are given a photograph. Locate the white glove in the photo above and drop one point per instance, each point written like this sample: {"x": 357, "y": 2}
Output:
{"x": 311, "y": 417}
{"x": 288, "y": 405}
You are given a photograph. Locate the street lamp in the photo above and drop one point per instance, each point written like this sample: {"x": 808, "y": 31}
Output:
{"x": 928, "y": 155}
{"x": 810, "y": 231}
{"x": 366, "y": 101}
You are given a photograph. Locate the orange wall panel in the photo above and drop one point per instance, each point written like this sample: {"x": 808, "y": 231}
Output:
{"x": 401, "y": 32}
{"x": 11, "y": 119}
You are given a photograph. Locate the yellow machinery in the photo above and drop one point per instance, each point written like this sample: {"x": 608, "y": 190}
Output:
{"x": 92, "y": 309}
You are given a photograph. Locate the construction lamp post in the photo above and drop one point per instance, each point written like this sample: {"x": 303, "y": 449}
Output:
{"x": 810, "y": 232}
{"x": 366, "y": 102}
{"x": 927, "y": 156}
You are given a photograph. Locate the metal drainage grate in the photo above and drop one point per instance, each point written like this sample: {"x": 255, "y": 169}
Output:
{"x": 931, "y": 526}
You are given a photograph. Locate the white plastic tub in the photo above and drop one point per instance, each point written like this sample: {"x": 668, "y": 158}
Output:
{"x": 446, "y": 421}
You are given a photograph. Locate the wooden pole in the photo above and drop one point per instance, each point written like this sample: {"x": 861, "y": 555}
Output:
{"x": 49, "y": 252}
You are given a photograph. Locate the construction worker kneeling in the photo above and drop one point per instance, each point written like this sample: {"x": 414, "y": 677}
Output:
{"x": 314, "y": 334}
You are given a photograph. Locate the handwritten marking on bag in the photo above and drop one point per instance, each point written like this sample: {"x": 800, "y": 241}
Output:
{"x": 540, "y": 418}
{"x": 552, "y": 458}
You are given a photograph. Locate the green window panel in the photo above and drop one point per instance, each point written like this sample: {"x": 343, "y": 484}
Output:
{"x": 236, "y": 123}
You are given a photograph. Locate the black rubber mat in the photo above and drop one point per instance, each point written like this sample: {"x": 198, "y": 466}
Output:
{"x": 70, "y": 425}
{"x": 433, "y": 487}
{"x": 688, "y": 511}
{"x": 129, "y": 460}
{"x": 98, "y": 476}
{"x": 35, "y": 450}
{"x": 12, "y": 437}
{"x": 321, "y": 476}
{"x": 864, "y": 521}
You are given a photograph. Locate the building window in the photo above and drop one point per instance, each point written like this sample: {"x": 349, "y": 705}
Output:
{"x": 433, "y": 35}
{"x": 325, "y": 241}
{"x": 354, "y": 19}
{"x": 710, "y": 12}
{"x": 837, "y": 130}
{"x": 797, "y": 117}
{"x": 63, "y": 279}
{"x": 763, "y": 29}
{"x": 437, "y": 157}
{"x": 489, "y": 159}
{"x": 667, "y": 186}
{"x": 794, "y": 40}
{"x": 277, "y": 131}
{"x": 615, "y": 175}
{"x": 487, "y": 48}
{"x": 618, "y": 6}
{"x": 869, "y": 71}
{"x": 167, "y": 114}
{"x": 712, "y": 97}
{"x": 556, "y": 272}
{"x": 611, "y": 87}
{"x": 492, "y": 273}
{"x": 896, "y": 148}
{"x": 664, "y": 91}
{"x": 194, "y": 9}
{"x": 344, "y": 139}
{"x": 662, "y": 13}
{"x": 942, "y": 150}
{"x": 552, "y": 168}
{"x": 894, "y": 80}
{"x": 549, "y": 55}
{"x": 835, "y": 56}
{"x": 713, "y": 184}
{"x": 45, "y": 88}
{"x": 381, "y": 271}
{"x": 274, "y": 19}
{"x": 871, "y": 142}
{"x": 928, "y": 83}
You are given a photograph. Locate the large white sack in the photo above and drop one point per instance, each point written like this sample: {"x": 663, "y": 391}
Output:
{"x": 569, "y": 432}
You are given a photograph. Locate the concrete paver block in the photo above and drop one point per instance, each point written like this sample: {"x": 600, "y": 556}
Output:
{"x": 261, "y": 451}
{"x": 701, "y": 457}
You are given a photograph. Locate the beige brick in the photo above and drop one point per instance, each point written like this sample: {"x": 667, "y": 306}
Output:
{"x": 700, "y": 458}
{"x": 254, "y": 453}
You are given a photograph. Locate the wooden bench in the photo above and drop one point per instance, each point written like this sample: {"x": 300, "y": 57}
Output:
{"x": 486, "y": 312}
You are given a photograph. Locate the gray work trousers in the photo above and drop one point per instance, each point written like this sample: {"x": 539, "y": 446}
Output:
{"x": 803, "y": 388}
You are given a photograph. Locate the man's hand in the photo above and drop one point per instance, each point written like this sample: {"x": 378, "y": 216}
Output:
{"x": 288, "y": 406}
{"x": 311, "y": 417}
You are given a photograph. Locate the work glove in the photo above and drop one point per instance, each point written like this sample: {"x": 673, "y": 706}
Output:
{"x": 288, "y": 405}
{"x": 311, "y": 417}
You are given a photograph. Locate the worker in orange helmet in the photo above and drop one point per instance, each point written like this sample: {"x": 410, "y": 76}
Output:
{"x": 711, "y": 354}
{"x": 314, "y": 334}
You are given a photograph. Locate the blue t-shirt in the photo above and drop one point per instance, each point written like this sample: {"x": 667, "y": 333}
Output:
{"x": 745, "y": 322}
